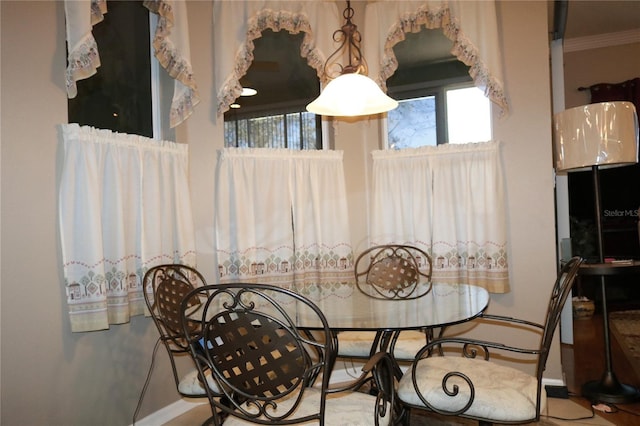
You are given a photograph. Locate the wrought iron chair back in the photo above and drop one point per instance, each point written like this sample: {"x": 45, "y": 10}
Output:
{"x": 393, "y": 271}
{"x": 164, "y": 288}
{"x": 263, "y": 364}
{"x": 390, "y": 272}
{"x": 462, "y": 380}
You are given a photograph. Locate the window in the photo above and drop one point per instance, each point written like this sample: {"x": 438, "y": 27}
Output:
{"x": 464, "y": 117}
{"x": 276, "y": 116}
{"x": 128, "y": 90}
{"x": 298, "y": 130}
{"x": 468, "y": 115}
{"x": 438, "y": 102}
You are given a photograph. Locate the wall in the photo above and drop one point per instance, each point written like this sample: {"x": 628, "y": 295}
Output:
{"x": 584, "y": 68}
{"x": 49, "y": 375}
{"x": 52, "y": 376}
{"x": 526, "y": 136}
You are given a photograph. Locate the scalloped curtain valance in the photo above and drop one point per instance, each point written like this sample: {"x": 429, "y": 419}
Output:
{"x": 237, "y": 24}
{"x": 472, "y": 26}
{"x": 170, "y": 42}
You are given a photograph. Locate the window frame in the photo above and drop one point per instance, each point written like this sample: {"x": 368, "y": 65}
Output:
{"x": 161, "y": 87}
{"x": 438, "y": 90}
{"x": 320, "y": 130}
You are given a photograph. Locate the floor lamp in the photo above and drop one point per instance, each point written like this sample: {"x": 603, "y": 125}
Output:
{"x": 596, "y": 136}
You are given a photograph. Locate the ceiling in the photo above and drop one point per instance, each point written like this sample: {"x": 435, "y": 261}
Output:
{"x": 283, "y": 78}
{"x": 589, "y": 18}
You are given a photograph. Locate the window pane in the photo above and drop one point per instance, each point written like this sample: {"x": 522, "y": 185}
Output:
{"x": 299, "y": 130}
{"x": 413, "y": 123}
{"x": 264, "y": 132}
{"x": 468, "y": 115}
{"x": 118, "y": 96}
{"x": 311, "y": 134}
{"x": 275, "y": 117}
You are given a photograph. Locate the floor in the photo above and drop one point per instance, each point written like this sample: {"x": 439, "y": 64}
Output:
{"x": 558, "y": 408}
{"x": 582, "y": 361}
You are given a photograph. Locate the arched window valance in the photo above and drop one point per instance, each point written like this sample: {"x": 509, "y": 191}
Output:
{"x": 472, "y": 26}
{"x": 236, "y": 24}
{"x": 170, "y": 43}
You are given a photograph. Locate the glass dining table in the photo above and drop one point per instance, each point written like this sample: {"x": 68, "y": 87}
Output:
{"x": 443, "y": 306}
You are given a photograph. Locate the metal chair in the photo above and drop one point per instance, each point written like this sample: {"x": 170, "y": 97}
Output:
{"x": 390, "y": 272}
{"x": 460, "y": 382}
{"x": 164, "y": 288}
{"x": 265, "y": 366}
{"x": 393, "y": 271}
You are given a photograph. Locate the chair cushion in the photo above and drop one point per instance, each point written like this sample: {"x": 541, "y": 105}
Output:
{"x": 358, "y": 344}
{"x": 342, "y": 409}
{"x": 190, "y": 385}
{"x": 408, "y": 344}
{"x": 355, "y": 343}
{"x": 502, "y": 393}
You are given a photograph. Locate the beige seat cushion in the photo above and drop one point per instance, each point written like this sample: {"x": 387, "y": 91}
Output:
{"x": 190, "y": 385}
{"x": 502, "y": 393}
{"x": 358, "y": 344}
{"x": 342, "y": 409}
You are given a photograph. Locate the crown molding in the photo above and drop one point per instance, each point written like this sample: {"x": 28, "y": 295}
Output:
{"x": 602, "y": 40}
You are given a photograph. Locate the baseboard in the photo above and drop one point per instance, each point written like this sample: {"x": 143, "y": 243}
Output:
{"x": 170, "y": 412}
{"x": 552, "y": 382}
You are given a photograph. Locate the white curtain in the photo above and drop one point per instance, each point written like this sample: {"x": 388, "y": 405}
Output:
{"x": 171, "y": 48}
{"x": 124, "y": 206}
{"x": 281, "y": 218}
{"x": 237, "y": 23}
{"x": 450, "y": 201}
{"x": 83, "y": 58}
{"x": 171, "y": 45}
{"x": 471, "y": 25}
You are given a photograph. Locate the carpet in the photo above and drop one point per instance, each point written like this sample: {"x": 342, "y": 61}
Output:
{"x": 625, "y": 325}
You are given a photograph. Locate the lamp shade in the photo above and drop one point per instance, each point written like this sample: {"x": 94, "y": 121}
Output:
{"x": 601, "y": 134}
{"x": 350, "y": 95}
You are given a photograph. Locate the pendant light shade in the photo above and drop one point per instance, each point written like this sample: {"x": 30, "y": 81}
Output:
{"x": 351, "y": 95}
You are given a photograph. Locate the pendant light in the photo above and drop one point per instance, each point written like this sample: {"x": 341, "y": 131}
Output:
{"x": 352, "y": 93}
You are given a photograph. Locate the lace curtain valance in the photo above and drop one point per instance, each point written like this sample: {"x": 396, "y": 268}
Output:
{"x": 171, "y": 47}
{"x": 471, "y": 25}
{"x": 236, "y": 24}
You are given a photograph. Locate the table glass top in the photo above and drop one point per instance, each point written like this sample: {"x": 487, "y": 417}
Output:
{"x": 445, "y": 304}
